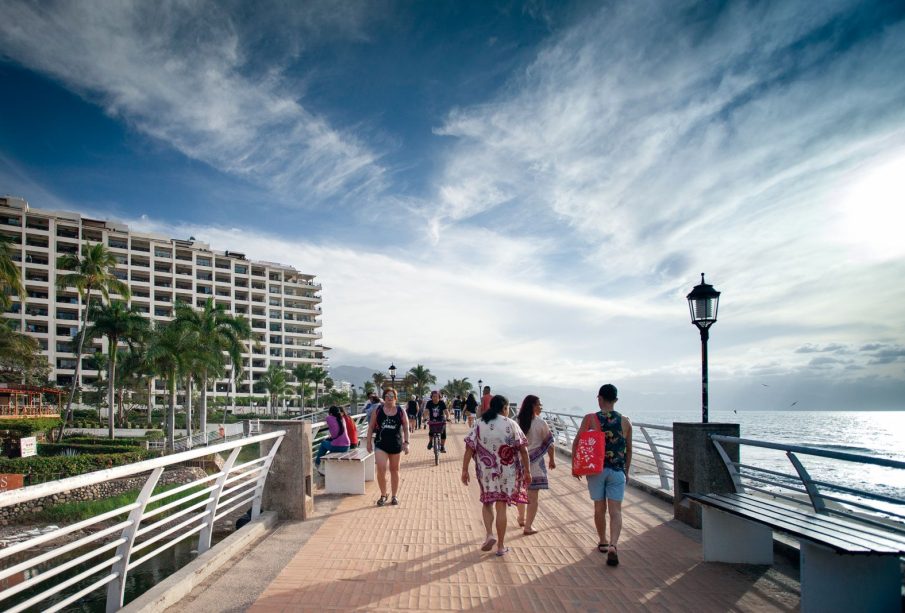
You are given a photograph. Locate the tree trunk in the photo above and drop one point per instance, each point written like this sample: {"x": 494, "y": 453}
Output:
{"x": 150, "y": 402}
{"x": 188, "y": 412}
{"x": 202, "y": 415}
{"x": 111, "y": 389}
{"x": 304, "y": 392}
{"x": 171, "y": 414}
{"x": 78, "y": 368}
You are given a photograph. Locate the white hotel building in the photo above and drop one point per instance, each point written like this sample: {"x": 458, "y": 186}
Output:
{"x": 280, "y": 303}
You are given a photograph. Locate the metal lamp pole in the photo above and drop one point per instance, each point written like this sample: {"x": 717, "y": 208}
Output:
{"x": 703, "y": 303}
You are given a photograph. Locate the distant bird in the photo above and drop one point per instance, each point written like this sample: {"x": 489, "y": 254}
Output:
{"x": 765, "y": 385}
{"x": 793, "y": 404}
{"x": 734, "y": 411}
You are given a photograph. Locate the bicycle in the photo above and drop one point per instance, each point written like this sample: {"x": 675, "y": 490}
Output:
{"x": 436, "y": 428}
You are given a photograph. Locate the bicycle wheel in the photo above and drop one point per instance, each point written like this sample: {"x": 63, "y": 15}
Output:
{"x": 436, "y": 449}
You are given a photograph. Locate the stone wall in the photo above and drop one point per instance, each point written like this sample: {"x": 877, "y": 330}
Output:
{"x": 20, "y": 512}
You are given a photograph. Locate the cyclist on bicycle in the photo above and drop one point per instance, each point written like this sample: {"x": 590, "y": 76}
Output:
{"x": 437, "y": 416}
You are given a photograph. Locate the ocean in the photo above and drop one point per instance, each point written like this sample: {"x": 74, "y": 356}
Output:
{"x": 876, "y": 434}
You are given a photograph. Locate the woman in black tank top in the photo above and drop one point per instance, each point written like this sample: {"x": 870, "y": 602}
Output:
{"x": 389, "y": 425}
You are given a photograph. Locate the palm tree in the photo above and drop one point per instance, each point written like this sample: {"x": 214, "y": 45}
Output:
{"x": 218, "y": 333}
{"x": 378, "y": 378}
{"x": 135, "y": 370}
{"x": 457, "y": 387}
{"x": 10, "y": 275}
{"x": 91, "y": 272}
{"x": 116, "y": 322}
{"x": 318, "y": 375}
{"x": 302, "y": 374}
{"x": 423, "y": 379}
{"x": 276, "y": 384}
{"x": 368, "y": 388}
{"x": 167, "y": 352}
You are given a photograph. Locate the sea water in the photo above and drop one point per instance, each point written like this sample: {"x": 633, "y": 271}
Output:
{"x": 873, "y": 434}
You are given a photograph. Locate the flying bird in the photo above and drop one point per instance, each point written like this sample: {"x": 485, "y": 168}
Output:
{"x": 765, "y": 385}
{"x": 793, "y": 404}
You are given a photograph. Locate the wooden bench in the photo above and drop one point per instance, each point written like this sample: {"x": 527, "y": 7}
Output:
{"x": 345, "y": 472}
{"x": 846, "y": 565}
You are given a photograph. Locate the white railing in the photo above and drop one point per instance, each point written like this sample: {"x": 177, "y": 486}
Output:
{"x": 652, "y": 455}
{"x": 178, "y": 513}
{"x": 822, "y": 492}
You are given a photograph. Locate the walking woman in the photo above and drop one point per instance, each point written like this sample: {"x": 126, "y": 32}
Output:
{"x": 337, "y": 438}
{"x": 471, "y": 407}
{"x": 390, "y": 424}
{"x": 540, "y": 442}
{"x": 502, "y": 468}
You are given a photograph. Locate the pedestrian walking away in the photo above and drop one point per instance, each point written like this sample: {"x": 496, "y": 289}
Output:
{"x": 388, "y": 432}
{"x": 607, "y": 488}
{"x": 502, "y": 468}
{"x": 457, "y": 408}
{"x": 540, "y": 443}
{"x": 471, "y": 409}
{"x": 485, "y": 400}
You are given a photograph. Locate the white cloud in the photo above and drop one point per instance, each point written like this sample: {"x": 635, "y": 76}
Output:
{"x": 182, "y": 73}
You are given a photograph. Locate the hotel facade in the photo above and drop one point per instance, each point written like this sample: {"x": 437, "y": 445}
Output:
{"x": 281, "y": 304}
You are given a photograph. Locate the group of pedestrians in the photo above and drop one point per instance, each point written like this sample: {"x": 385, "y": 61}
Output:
{"x": 510, "y": 457}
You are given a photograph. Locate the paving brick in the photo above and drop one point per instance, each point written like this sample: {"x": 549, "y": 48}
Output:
{"x": 424, "y": 555}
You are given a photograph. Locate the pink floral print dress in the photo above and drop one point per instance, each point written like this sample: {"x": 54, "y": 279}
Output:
{"x": 497, "y": 462}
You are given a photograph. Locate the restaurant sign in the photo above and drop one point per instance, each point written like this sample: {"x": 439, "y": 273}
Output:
{"x": 29, "y": 446}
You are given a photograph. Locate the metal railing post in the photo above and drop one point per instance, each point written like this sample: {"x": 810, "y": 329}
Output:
{"x": 262, "y": 478}
{"x": 733, "y": 471}
{"x": 116, "y": 589}
{"x": 809, "y": 485}
{"x": 204, "y": 539}
{"x": 661, "y": 466}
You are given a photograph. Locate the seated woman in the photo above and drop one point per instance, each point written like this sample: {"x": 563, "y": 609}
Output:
{"x": 338, "y": 439}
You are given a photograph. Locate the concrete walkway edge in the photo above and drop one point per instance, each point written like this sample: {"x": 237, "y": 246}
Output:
{"x": 175, "y": 587}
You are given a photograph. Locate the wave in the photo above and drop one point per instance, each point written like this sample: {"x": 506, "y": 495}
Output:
{"x": 847, "y": 448}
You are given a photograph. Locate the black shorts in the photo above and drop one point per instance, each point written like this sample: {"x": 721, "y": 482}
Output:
{"x": 390, "y": 449}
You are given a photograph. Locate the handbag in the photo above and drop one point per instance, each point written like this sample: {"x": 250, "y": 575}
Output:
{"x": 590, "y": 451}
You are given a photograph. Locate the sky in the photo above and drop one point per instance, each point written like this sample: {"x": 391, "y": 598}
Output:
{"x": 518, "y": 192}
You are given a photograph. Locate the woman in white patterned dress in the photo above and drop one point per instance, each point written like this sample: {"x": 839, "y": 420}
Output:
{"x": 502, "y": 466}
{"x": 540, "y": 443}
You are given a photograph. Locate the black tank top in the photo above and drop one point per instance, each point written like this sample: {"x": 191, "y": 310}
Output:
{"x": 389, "y": 431}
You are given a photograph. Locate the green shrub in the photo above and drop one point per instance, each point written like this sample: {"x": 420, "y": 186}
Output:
{"x": 55, "y": 449}
{"x": 84, "y": 439}
{"x": 27, "y": 427}
{"x": 45, "y": 468}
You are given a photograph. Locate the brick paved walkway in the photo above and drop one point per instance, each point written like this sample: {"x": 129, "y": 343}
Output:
{"x": 424, "y": 555}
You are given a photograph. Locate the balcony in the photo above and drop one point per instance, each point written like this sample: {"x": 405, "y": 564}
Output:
{"x": 32, "y": 311}
{"x": 203, "y": 261}
{"x": 37, "y": 224}
{"x": 162, "y": 253}
{"x": 204, "y": 276}
{"x": 36, "y": 242}
{"x": 113, "y": 243}
{"x": 11, "y": 221}
{"x": 140, "y": 246}
{"x": 35, "y": 328}
{"x": 69, "y": 248}
{"x": 67, "y": 315}
{"x": 142, "y": 262}
{"x": 36, "y": 259}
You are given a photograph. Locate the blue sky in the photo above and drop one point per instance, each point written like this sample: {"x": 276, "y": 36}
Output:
{"x": 521, "y": 192}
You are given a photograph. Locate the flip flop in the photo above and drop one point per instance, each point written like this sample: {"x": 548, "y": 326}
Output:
{"x": 612, "y": 558}
{"x": 488, "y": 544}
{"x": 502, "y": 552}
{"x": 603, "y": 547}
{"x": 529, "y": 532}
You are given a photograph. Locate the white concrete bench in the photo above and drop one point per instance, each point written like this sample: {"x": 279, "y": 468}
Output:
{"x": 345, "y": 472}
{"x": 845, "y": 565}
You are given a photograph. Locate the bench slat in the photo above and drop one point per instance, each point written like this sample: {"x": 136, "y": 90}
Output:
{"x": 353, "y": 455}
{"x": 839, "y": 525}
{"x": 806, "y": 525}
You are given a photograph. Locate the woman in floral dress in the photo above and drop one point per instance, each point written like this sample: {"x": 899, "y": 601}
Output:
{"x": 540, "y": 443}
{"x": 502, "y": 466}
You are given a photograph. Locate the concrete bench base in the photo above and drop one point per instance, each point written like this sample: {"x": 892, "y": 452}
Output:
{"x": 346, "y": 472}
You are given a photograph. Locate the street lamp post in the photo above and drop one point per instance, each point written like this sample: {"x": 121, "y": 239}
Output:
{"x": 392, "y": 371}
{"x": 703, "y": 303}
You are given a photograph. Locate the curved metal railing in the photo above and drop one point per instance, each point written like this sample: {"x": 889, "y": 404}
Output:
{"x": 824, "y": 496}
{"x": 140, "y": 530}
{"x": 652, "y": 455}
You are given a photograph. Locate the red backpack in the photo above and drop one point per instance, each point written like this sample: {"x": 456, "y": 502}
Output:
{"x": 352, "y": 430}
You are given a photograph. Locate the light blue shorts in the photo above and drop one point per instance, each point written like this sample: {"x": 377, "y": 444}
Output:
{"x": 609, "y": 485}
